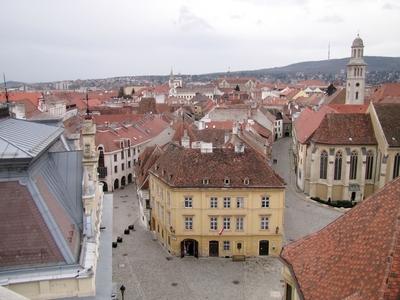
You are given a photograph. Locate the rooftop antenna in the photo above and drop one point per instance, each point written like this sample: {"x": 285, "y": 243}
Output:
{"x": 5, "y": 88}
{"x": 87, "y": 106}
{"x": 329, "y": 50}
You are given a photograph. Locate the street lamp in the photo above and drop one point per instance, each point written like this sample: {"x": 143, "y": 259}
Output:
{"x": 122, "y": 289}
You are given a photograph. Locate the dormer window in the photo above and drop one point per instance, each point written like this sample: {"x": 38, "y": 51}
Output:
{"x": 206, "y": 181}
{"x": 170, "y": 176}
{"x": 163, "y": 172}
{"x": 246, "y": 181}
{"x": 227, "y": 181}
{"x": 121, "y": 143}
{"x": 157, "y": 167}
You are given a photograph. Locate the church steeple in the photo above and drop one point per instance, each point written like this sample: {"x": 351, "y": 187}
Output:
{"x": 356, "y": 70}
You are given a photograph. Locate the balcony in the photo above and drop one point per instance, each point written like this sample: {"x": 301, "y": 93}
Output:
{"x": 102, "y": 172}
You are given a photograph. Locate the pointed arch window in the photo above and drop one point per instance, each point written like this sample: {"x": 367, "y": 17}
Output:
{"x": 369, "y": 165}
{"x": 396, "y": 166}
{"x": 353, "y": 165}
{"x": 323, "y": 166}
{"x": 338, "y": 166}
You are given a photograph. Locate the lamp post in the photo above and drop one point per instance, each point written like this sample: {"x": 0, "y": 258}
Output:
{"x": 122, "y": 289}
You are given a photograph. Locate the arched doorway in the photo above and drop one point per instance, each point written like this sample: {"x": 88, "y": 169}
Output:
{"x": 116, "y": 184}
{"x": 105, "y": 186}
{"x": 123, "y": 181}
{"x": 264, "y": 247}
{"x": 189, "y": 247}
{"x": 130, "y": 178}
{"x": 213, "y": 248}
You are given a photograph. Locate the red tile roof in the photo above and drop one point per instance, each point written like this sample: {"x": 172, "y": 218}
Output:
{"x": 345, "y": 129}
{"x": 25, "y": 238}
{"x": 181, "y": 167}
{"x": 389, "y": 119}
{"x": 308, "y": 121}
{"x": 139, "y": 132}
{"x": 387, "y": 93}
{"x": 355, "y": 257}
{"x": 349, "y": 108}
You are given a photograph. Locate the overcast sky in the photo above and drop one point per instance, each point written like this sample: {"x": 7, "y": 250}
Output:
{"x": 70, "y": 39}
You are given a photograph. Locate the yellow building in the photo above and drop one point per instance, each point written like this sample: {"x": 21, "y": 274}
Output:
{"x": 216, "y": 202}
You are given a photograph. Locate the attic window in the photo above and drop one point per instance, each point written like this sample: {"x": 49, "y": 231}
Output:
{"x": 227, "y": 181}
{"x": 121, "y": 144}
{"x": 206, "y": 181}
{"x": 163, "y": 172}
{"x": 157, "y": 167}
{"x": 170, "y": 176}
{"x": 246, "y": 181}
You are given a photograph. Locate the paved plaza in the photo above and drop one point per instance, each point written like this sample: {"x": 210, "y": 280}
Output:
{"x": 149, "y": 272}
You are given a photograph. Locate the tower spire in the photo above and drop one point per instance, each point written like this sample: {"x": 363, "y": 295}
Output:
{"x": 329, "y": 50}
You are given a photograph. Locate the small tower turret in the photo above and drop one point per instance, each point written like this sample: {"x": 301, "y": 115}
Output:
{"x": 356, "y": 70}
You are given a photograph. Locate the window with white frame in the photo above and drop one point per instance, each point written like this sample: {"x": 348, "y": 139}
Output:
{"x": 188, "y": 223}
{"x": 265, "y": 201}
{"x": 213, "y": 202}
{"x": 227, "y": 202}
{"x": 213, "y": 223}
{"x": 239, "y": 223}
{"x": 239, "y": 202}
{"x": 227, "y": 245}
{"x": 227, "y": 223}
{"x": 188, "y": 202}
{"x": 264, "y": 220}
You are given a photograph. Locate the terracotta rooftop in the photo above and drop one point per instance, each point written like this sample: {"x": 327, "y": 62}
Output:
{"x": 308, "y": 121}
{"x": 345, "y": 129}
{"x": 146, "y": 160}
{"x": 25, "y": 238}
{"x": 387, "y": 93}
{"x": 180, "y": 167}
{"x": 355, "y": 257}
{"x": 389, "y": 118}
{"x": 349, "y": 108}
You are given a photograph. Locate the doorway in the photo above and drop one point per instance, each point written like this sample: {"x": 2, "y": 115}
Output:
{"x": 213, "y": 248}
{"x": 189, "y": 247}
{"x": 116, "y": 184}
{"x": 264, "y": 247}
{"x": 123, "y": 181}
{"x": 353, "y": 196}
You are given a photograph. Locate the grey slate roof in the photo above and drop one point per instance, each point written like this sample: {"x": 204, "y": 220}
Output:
{"x": 24, "y": 139}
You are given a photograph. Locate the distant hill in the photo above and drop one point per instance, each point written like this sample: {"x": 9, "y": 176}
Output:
{"x": 332, "y": 66}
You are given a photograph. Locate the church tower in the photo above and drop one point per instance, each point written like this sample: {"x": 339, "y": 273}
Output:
{"x": 356, "y": 69}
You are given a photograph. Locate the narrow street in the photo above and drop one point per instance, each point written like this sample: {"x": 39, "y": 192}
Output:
{"x": 302, "y": 216}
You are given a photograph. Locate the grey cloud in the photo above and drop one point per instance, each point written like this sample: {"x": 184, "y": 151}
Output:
{"x": 390, "y": 6}
{"x": 331, "y": 19}
{"x": 187, "y": 20}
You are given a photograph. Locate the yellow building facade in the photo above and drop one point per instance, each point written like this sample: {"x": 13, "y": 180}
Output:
{"x": 217, "y": 221}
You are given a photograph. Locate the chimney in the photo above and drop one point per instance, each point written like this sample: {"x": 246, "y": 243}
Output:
{"x": 206, "y": 147}
{"x": 226, "y": 137}
{"x": 201, "y": 125}
{"x": 185, "y": 140}
{"x": 239, "y": 148}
